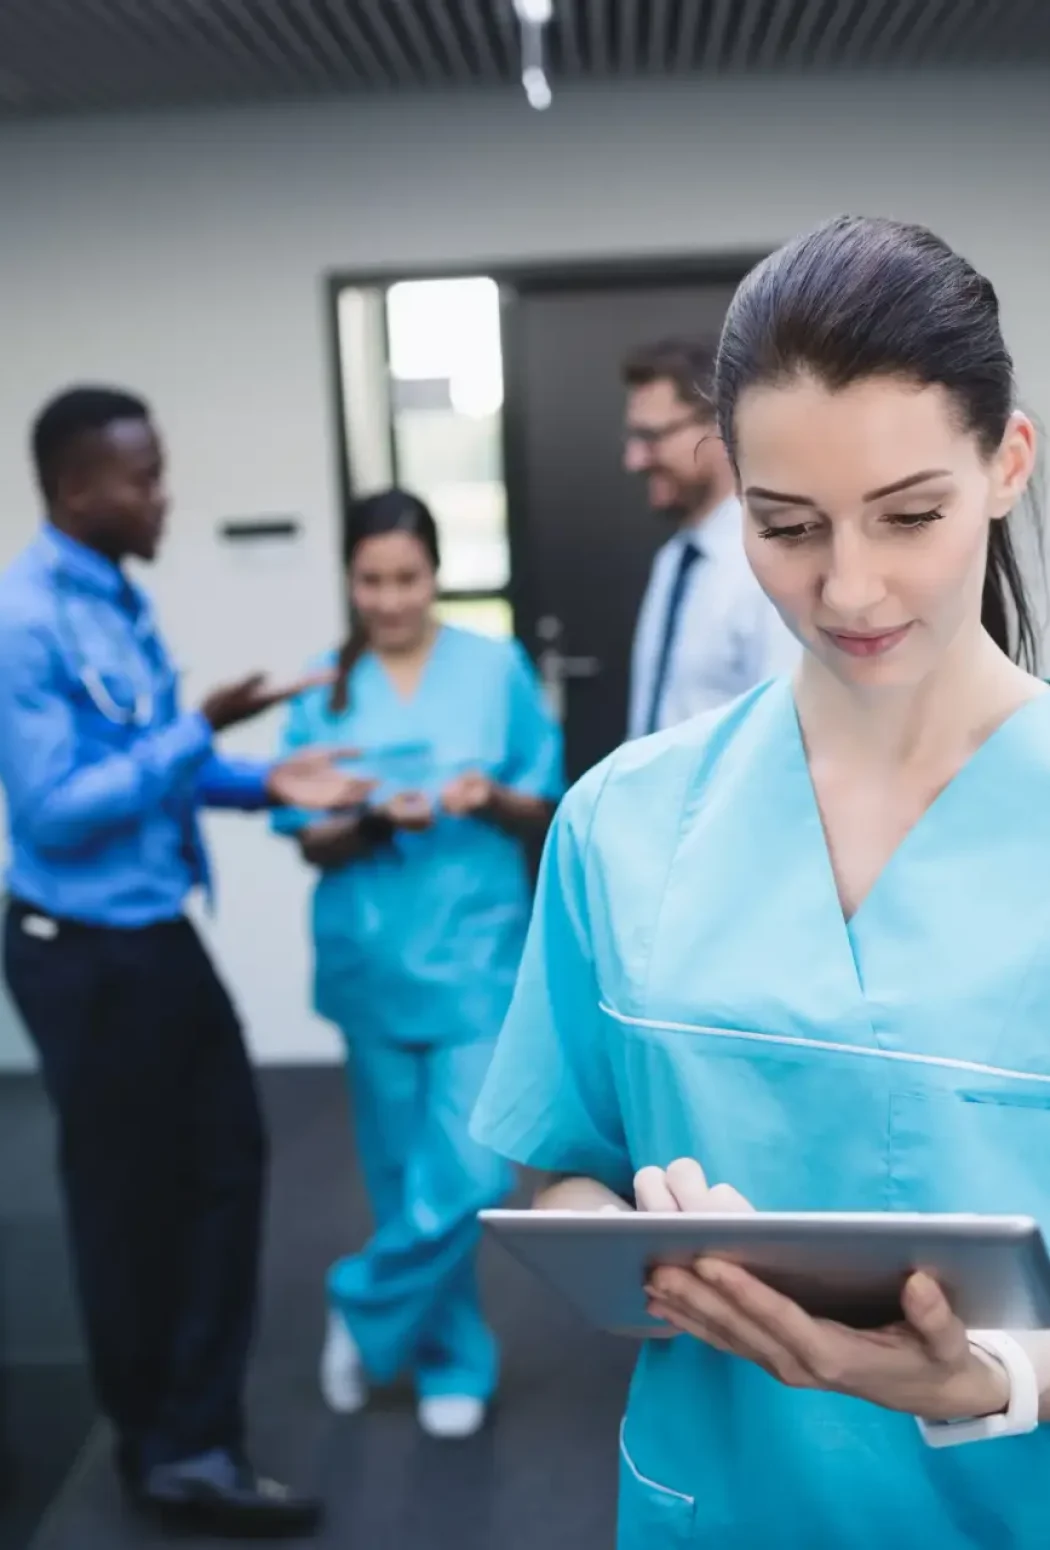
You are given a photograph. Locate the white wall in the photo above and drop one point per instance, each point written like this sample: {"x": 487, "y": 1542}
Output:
{"x": 182, "y": 255}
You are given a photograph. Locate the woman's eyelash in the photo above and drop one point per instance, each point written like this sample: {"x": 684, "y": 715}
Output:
{"x": 911, "y": 521}
{"x": 916, "y": 518}
{"x": 787, "y": 535}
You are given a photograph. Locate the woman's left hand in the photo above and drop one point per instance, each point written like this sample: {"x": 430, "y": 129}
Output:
{"x": 411, "y": 810}
{"x": 924, "y": 1365}
{"x": 467, "y": 795}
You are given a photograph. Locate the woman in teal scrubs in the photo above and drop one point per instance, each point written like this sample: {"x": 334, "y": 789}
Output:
{"x": 419, "y": 919}
{"x": 799, "y": 949}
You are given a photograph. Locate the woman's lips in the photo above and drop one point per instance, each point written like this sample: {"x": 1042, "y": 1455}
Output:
{"x": 870, "y": 645}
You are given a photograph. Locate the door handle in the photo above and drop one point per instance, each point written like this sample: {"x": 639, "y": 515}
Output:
{"x": 574, "y": 667}
{"x": 557, "y": 669}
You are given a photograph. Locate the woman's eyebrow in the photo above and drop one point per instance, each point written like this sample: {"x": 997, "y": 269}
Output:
{"x": 783, "y": 498}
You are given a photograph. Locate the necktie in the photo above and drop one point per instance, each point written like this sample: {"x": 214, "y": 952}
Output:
{"x": 688, "y": 557}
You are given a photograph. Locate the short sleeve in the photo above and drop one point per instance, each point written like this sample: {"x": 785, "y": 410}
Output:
{"x": 550, "y": 1100}
{"x": 534, "y": 764}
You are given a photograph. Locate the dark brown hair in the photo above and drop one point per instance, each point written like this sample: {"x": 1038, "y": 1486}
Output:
{"x": 863, "y": 297}
{"x": 391, "y": 511}
{"x": 688, "y": 363}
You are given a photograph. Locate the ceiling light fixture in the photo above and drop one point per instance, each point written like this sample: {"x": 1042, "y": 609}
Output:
{"x": 533, "y": 16}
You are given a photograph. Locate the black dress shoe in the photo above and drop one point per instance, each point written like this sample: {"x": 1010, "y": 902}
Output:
{"x": 221, "y": 1495}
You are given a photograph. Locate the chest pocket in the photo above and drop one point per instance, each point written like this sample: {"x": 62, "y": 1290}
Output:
{"x": 972, "y": 1149}
{"x": 793, "y": 1127}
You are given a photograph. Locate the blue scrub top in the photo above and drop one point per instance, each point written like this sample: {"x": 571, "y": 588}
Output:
{"x": 691, "y": 988}
{"x": 420, "y": 942}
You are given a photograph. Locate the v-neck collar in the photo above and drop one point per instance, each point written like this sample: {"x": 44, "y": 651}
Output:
{"x": 954, "y": 791}
{"x": 408, "y": 701}
{"x": 771, "y": 945}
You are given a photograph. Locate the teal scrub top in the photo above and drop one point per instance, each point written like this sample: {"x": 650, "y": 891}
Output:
{"x": 419, "y": 942}
{"x": 690, "y": 987}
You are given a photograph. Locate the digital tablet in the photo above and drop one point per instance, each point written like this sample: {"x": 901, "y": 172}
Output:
{"x": 995, "y": 1270}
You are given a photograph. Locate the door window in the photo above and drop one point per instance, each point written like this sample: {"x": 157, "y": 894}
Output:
{"x": 422, "y": 375}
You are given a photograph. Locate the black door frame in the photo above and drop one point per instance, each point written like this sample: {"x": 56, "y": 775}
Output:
{"x": 519, "y": 279}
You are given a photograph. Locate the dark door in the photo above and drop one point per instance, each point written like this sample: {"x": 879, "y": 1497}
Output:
{"x": 583, "y": 536}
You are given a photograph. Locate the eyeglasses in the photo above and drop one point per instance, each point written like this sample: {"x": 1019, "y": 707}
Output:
{"x": 652, "y": 435}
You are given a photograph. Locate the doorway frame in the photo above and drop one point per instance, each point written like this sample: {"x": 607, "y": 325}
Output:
{"x": 515, "y": 278}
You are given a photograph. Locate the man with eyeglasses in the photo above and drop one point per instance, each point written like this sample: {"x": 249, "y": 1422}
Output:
{"x": 706, "y": 632}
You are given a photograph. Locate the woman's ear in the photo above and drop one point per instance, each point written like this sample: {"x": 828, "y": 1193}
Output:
{"x": 1012, "y": 465}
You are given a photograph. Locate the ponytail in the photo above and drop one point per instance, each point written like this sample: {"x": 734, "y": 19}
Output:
{"x": 1012, "y": 608}
{"x": 350, "y": 653}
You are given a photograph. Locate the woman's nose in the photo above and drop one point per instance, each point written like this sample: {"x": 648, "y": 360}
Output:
{"x": 853, "y": 583}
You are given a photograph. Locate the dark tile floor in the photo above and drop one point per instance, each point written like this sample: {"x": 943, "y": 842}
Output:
{"x": 45, "y": 1402}
{"x": 542, "y": 1476}
{"x": 47, "y": 1414}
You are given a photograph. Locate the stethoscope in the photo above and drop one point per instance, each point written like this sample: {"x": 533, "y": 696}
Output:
{"x": 141, "y": 711}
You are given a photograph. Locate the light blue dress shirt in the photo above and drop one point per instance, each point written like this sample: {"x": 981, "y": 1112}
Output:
{"x": 102, "y": 772}
{"x": 728, "y": 636}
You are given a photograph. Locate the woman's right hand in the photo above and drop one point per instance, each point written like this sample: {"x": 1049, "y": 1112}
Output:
{"x": 682, "y": 1186}
{"x": 335, "y": 842}
{"x": 410, "y": 810}
{"x": 679, "y": 1187}
{"x": 331, "y": 842}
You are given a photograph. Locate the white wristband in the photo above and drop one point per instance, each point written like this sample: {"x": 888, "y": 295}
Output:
{"x": 1022, "y": 1412}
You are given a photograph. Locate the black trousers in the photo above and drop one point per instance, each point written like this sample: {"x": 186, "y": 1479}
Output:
{"x": 162, "y": 1156}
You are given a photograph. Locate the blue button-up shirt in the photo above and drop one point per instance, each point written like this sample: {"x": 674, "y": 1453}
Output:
{"x": 102, "y": 772}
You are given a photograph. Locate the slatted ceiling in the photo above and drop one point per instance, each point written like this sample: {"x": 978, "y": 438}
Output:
{"x": 940, "y": 31}
{"x": 810, "y": 26}
{"x": 973, "y": 31}
{"x": 597, "y": 38}
{"x": 655, "y": 34}
{"x": 869, "y": 25}
{"x": 386, "y": 43}
{"x": 404, "y": 62}
{"x": 565, "y": 44}
{"x": 830, "y": 38}
{"x": 959, "y": 26}
{"x": 782, "y": 25}
{"x": 430, "y": 61}
{"x": 625, "y": 37}
{"x": 450, "y": 25}
{"x": 69, "y": 55}
{"x": 907, "y": 28}
{"x": 358, "y": 51}
{"x": 685, "y": 34}
{"x": 480, "y": 30}
{"x": 751, "y": 17}
{"x": 710, "y": 49}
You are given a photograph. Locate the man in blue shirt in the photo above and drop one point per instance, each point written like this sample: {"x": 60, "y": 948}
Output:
{"x": 161, "y": 1140}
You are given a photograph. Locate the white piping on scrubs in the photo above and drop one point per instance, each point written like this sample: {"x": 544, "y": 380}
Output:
{"x": 945, "y": 1062}
{"x": 650, "y": 1485}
